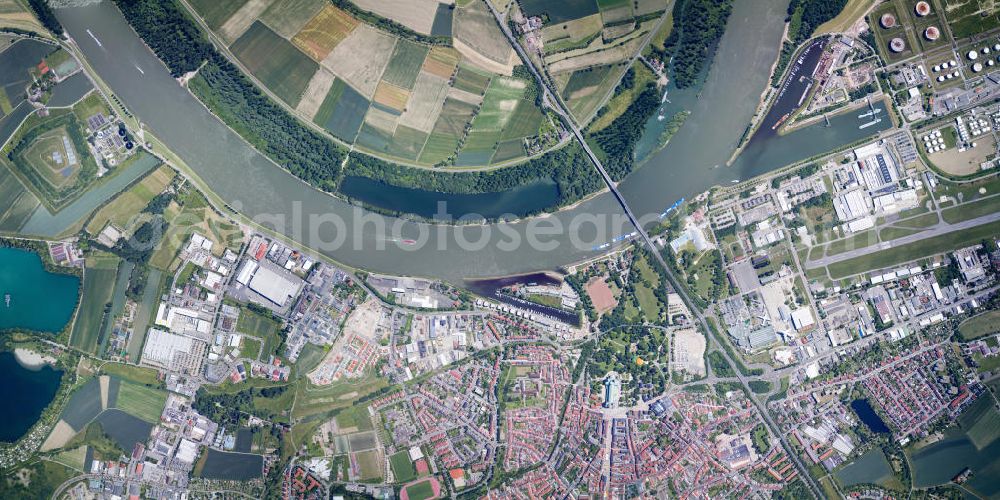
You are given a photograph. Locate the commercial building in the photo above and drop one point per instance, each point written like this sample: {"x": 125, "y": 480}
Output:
{"x": 170, "y": 351}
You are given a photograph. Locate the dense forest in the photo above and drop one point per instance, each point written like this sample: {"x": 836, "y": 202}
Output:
{"x": 569, "y": 167}
{"x": 698, "y": 26}
{"x": 45, "y": 15}
{"x": 264, "y": 124}
{"x": 804, "y": 16}
{"x": 618, "y": 140}
{"x": 169, "y": 32}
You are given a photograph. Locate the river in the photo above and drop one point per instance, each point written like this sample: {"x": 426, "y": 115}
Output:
{"x": 259, "y": 189}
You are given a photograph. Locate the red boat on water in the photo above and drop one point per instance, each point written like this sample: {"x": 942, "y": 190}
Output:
{"x": 779, "y": 122}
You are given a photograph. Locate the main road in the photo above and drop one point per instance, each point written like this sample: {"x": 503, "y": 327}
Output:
{"x": 552, "y": 97}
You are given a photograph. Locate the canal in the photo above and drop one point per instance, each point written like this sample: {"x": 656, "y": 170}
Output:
{"x": 262, "y": 191}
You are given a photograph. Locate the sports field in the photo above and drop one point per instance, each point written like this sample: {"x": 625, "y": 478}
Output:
{"x": 324, "y": 31}
{"x": 278, "y": 64}
{"x": 98, "y": 284}
{"x": 422, "y": 490}
{"x": 402, "y": 467}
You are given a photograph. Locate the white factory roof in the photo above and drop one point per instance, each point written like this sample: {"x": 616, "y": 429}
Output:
{"x": 802, "y": 318}
{"x": 161, "y": 346}
{"x": 187, "y": 451}
{"x": 246, "y": 271}
{"x": 274, "y": 286}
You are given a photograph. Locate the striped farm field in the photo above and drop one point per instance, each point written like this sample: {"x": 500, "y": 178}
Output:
{"x": 471, "y": 80}
{"x": 407, "y": 142}
{"x": 216, "y": 12}
{"x": 343, "y": 111}
{"x": 442, "y": 61}
{"x": 405, "y": 63}
{"x": 324, "y": 31}
{"x": 508, "y": 150}
{"x": 287, "y": 17}
{"x": 524, "y": 122}
{"x": 501, "y": 100}
{"x": 439, "y": 147}
{"x": 373, "y": 138}
{"x": 278, "y": 64}
{"x": 455, "y": 115}
{"x": 391, "y": 96}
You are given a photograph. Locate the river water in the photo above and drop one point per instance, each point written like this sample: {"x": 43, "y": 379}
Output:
{"x": 259, "y": 189}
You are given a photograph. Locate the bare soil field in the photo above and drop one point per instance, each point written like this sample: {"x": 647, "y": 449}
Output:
{"x": 417, "y": 15}
{"x": 480, "y": 61}
{"x": 61, "y": 434}
{"x": 361, "y": 58}
{"x": 601, "y": 295}
{"x": 426, "y": 101}
{"x": 966, "y": 162}
{"x": 287, "y": 17}
{"x": 315, "y": 93}
{"x": 324, "y": 31}
{"x": 476, "y": 29}
{"x": 467, "y": 97}
{"x": 382, "y": 120}
{"x": 238, "y": 23}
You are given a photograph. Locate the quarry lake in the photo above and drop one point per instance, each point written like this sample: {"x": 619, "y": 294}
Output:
{"x": 38, "y": 299}
{"x": 25, "y": 392}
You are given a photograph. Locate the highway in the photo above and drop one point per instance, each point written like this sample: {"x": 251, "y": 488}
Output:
{"x": 560, "y": 107}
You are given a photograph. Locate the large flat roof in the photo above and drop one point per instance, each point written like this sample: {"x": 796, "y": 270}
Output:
{"x": 275, "y": 286}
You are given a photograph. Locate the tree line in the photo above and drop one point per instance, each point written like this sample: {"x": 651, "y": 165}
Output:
{"x": 44, "y": 14}
{"x": 619, "y": 139}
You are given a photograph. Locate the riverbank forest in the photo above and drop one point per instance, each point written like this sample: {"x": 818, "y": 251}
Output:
{"x": 698, "y": 27}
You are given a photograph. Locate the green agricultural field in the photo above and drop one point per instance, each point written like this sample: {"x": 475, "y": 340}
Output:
{"x": 439, "y": 147}
{"x": 127, "y": 205}
{"x": 373, "y": 138}
{"x": 73, "y": 459}
{"x": 524, "y": 122}
{"x": 287, "y": 17}
{"x": 981, "y": 422}
{"x": 508, "y": 150}
{"x": 216, "y": 12}
{"x": 562, "y": 11}
{"x": 454, "y": 117}
{"x": 471, "y": 80}
{"x": 479, "y": 147}
{"x": 278, "y": 64}
{"x": 131, "y": 373}
{"x": 981, "y": 325}
{"x": 16, "y": 203}
{"x": 98, "y": 284}
{"x": 343, "y": 111}
{"x": 499, "y": 104}
{"x": 261, "y": 327}
{"x": 407, "y": 142}
{"x": 402, "y": 467}
{"x": 140, "y": 401}
{"x": 405, "y": 63}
